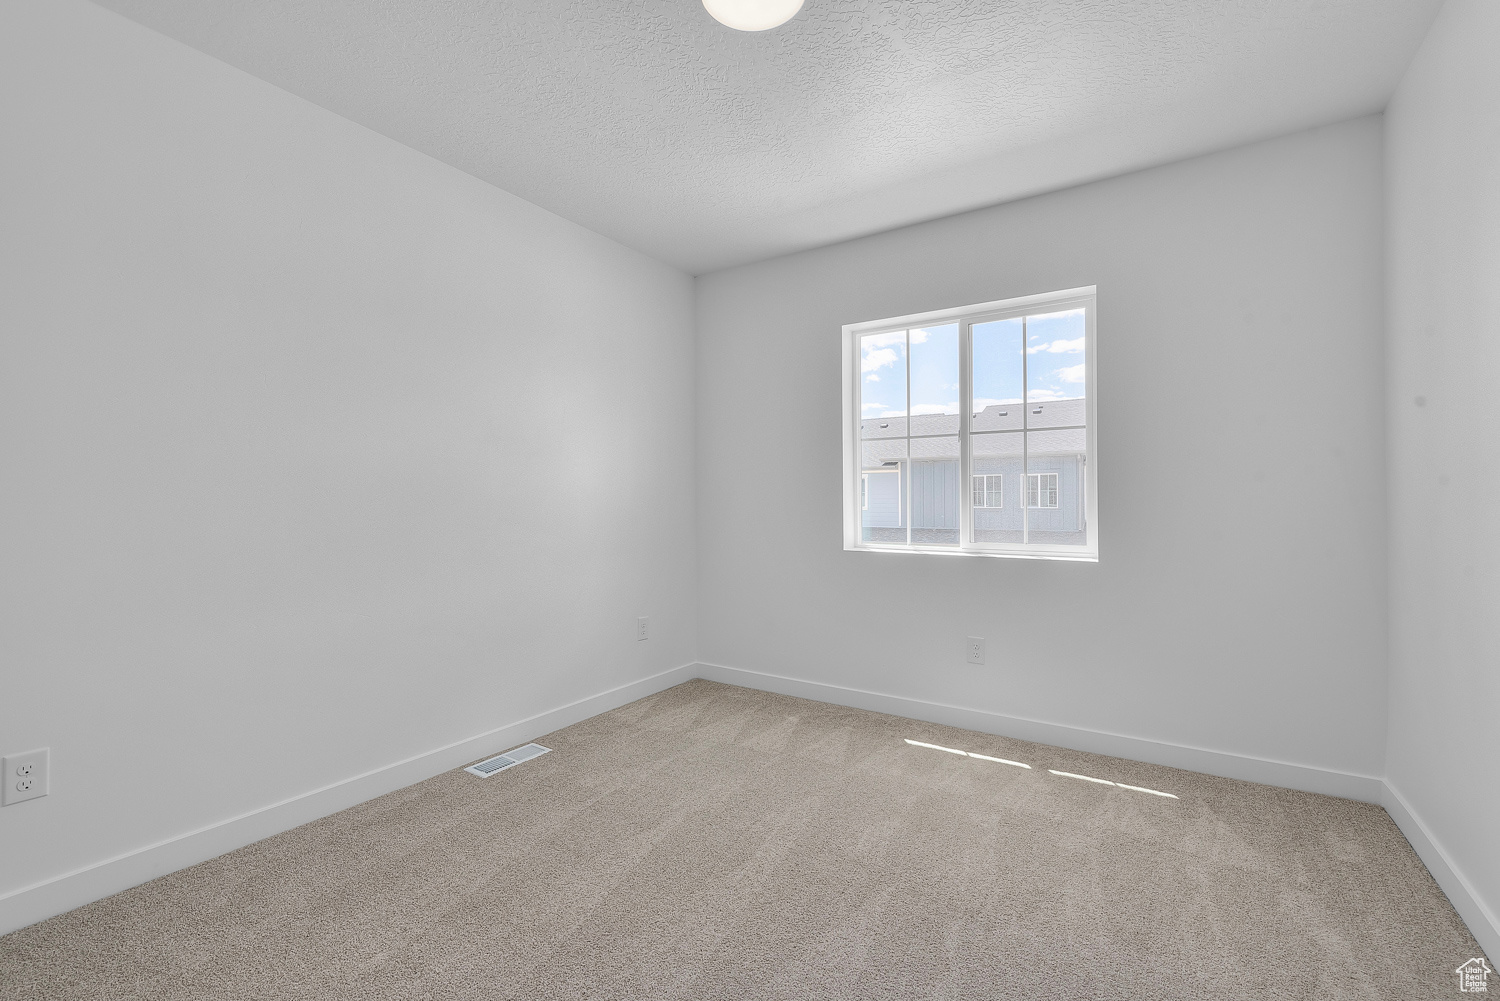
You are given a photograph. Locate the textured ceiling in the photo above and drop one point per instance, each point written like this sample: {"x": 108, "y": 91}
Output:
{"x": 651, "y": 123}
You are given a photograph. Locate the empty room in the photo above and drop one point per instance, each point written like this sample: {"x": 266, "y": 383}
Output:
{"x": 749, "y": 499}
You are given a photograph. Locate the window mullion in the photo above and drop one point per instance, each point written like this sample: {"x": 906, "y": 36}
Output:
{"x": 965, "y": 419}
{"x": 906, "y": 468}
{"x": 1025, "y": 440}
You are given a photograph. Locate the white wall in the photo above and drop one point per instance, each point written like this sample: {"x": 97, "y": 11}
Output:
{"x": 320, "y": 455}
{"x": 1238, "y": 603}
{"x": 1444, "y": 411}
{"x": 317, "y": 454}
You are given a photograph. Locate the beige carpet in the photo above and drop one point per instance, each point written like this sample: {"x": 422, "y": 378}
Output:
{"x": 715, "y": 842}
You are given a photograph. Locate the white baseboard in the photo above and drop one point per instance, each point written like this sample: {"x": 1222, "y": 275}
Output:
{"x": 30, "y": 904}
{"x": 1365, "y": 788}
{"x": 58, "y": 894}
{"x": 1461, "y": 893}
{"x": 1482, "y": 922}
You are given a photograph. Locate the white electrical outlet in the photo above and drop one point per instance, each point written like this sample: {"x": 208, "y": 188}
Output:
{"x": 974, "y": 650}
{"x": 640, "y": 628}
{"x": 25, "y": 776}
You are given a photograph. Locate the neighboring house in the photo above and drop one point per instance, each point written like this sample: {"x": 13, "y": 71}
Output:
{"x": 1033, "y": 477}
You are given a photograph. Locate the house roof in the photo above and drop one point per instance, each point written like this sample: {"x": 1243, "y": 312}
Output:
{"x": 995, "y": 417}
{"x": 997, "y": 433}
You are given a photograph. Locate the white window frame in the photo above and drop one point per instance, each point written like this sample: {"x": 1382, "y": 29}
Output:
{"x": 1039, "y": 506}
{"x": 987, "y": 506}
{"x": 966, "y": 317}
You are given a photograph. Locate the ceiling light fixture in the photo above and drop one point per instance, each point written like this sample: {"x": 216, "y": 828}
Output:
{"x": 752, "y": 15}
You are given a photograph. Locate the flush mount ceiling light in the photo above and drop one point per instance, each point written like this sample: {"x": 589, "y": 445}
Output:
{"x": 752, "y": 15}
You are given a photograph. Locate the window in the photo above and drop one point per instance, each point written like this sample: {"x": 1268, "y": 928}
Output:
{"x": 1041, "y": 490}
{"x": 989, "y": 395}
{"x": 989, "y": 490}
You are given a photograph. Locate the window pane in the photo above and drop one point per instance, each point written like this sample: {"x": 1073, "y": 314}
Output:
{"x": 1055, "y": 369}
{"x": 997, "y": 375}
{"x": 934, "y": 490}
{"x": 882, "y": 384}
{"x": 1041, "y": 490}
{"x": 1056, "y": 464}
{"x": 934, "y": 377}
{"x": 882, "y": 465}
{"x": 994, "y": 456}
{"x": 989, "y": 490}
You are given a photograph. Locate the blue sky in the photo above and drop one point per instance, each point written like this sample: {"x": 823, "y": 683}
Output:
{"x": 1054, "y": 365}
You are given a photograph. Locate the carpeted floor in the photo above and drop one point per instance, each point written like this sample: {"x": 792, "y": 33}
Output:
{"x": 716, "y": 842}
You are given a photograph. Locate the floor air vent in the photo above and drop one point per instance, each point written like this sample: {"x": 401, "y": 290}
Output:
{"x": 501, "y": 762}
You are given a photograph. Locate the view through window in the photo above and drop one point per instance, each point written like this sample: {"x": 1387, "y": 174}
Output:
{"x": 973, "y": 429}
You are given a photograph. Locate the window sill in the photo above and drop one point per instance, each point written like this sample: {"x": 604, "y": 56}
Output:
{"x": 1040, "y": 554}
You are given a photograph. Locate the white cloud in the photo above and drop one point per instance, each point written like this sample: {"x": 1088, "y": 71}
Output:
{"x": 878, "y": 359}
{"x": 1059, "y": 347}
{"x": 934, "y": 408}
{"x": 1073, "y": 373}
{"x": 1044, "y": 395}
{"x": 871, "y": 406}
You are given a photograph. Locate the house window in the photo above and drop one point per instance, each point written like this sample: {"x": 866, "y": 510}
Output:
{"x": 1041, "y": 490}
{"x": 997, "y": 393}
{"x": 989, "y": 490}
